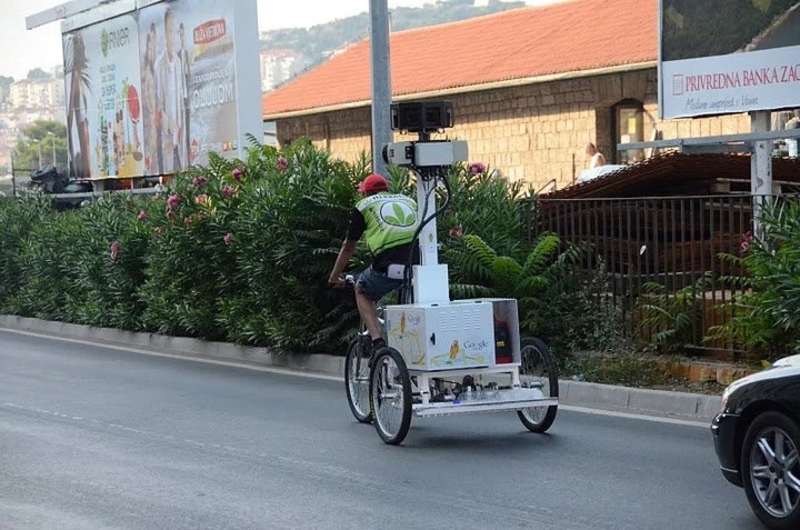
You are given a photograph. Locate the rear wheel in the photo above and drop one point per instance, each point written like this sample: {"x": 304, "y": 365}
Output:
{"x": 771, "y": 470}
{"x": 390, "y": 395}
{"x": 538, "y": 369}
{"x": 356, "y": 380}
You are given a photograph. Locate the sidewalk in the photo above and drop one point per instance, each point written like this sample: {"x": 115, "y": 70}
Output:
{"x": 676, "y": 405}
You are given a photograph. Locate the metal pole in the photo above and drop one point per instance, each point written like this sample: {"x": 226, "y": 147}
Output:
{"x": 13, "y": 177}
{"x": 381, "y": 82}
{"x": 761, "y": 169}
{"x": 54, "y": 149}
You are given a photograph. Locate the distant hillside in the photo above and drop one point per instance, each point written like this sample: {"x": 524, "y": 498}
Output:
{"x": 315, "y": 45}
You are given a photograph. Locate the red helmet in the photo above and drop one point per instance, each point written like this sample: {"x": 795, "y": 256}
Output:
{"x": 373, "y": 183}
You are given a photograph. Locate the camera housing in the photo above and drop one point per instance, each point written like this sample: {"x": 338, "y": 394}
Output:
{"x": 437, "y": 153}
{"x": 422, "y": 116}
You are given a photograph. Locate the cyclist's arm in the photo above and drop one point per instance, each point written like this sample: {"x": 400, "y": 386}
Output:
{"x": 354, "y": 231}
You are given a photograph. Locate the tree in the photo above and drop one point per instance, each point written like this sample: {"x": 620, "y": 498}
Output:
{"x": 41, "y": 134}
{"x": 37, "y": 74}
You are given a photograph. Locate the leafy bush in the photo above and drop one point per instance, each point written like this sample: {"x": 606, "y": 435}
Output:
{"x": 488, "y": 242}
{"x": 18, "y": 218}
{"x": 765, "y": 317}
{"x": 241, "y": 251}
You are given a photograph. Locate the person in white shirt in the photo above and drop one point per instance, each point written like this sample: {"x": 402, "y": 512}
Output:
{"x": 597, "y": 158}
{"x": 170, "y": 94}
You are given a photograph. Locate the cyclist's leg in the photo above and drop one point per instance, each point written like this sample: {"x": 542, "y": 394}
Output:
{"x": 370, "y": 288}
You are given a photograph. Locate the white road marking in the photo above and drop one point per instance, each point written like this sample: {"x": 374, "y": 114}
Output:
{"x": 326, "y": 377}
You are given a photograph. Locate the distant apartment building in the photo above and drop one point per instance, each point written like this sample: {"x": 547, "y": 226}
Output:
{"x": 40, "y": 94}
{"x": 5, "y": 93}
{"x": 277, "y": 66}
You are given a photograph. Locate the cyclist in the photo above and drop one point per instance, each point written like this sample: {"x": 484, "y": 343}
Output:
{"x": 388, "y": 222}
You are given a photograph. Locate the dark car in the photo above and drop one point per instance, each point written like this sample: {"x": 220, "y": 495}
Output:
{"x": 757, "y": 438}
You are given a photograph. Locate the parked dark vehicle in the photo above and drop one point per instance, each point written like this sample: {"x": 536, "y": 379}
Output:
{"x": 757, "y": 440}
{"x": 52, "y": 181}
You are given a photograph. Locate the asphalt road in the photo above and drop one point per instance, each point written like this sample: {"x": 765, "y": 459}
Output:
{"x": 96, "y": 438}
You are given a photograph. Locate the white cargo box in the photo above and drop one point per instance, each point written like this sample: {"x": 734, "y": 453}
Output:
{"x": 443, "y": 336}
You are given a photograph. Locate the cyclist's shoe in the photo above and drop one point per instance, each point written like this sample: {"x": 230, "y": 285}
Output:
{"x": 376, "y": 345}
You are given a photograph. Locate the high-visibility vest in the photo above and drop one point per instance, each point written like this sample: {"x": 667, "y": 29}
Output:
{"x": 391, "y": 220}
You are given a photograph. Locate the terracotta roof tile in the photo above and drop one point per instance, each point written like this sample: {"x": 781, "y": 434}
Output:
{"x": 573, "y": 36}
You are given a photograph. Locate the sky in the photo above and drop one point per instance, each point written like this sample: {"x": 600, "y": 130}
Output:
{"x": 42, "y": 46}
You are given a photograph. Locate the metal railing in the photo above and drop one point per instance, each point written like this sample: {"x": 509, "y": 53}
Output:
{"x": 672, "y": 242}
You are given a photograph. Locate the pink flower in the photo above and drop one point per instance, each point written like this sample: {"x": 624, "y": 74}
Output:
{"x": 747, "y": 238}
{"x": 227, "y": 239}
{"x": 142, "y": 215}
{"x": 159, "y": 230}
{"x": 187, "y": 221}
{"x": 228, "y": 192}
{"x": 115, "y": 246}
{"x": 456, "y": 231}
{"x": 173, "y": 202}
{"x": 282, "y": 164}
{"x": 202, "y": 199}
{"x": 199, "y": 182}
{"x": 237, "y": 174}
{"x": 477, "y": 168}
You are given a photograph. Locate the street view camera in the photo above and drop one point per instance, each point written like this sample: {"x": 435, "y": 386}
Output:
{"x": 424, "y": 118}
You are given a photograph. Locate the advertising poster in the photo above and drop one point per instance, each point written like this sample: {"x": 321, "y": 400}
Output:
{"x": 189, "y": 83}
{"x": 728, "y": 57}
{"x": 104, "y": 114}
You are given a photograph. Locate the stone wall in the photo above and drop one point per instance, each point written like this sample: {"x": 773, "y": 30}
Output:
{"x": 535, "y": 133}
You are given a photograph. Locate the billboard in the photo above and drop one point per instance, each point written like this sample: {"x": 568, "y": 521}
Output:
{"x": 153, "y": 91}
{"x": 728, "y": 57}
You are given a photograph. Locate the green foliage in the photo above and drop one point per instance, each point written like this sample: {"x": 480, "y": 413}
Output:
{"x": 486, "y": 242}
{"x": 670, "y": 318}
{"x": 69, "y": 273}
{"x": 38, "y": 138}
{"x": 37, "y": 74}
{"x": 18, "y": 218}
{"x": 246, "y": 257}
{"x": 765, "y": 314}
{"x": 241, "y": 250}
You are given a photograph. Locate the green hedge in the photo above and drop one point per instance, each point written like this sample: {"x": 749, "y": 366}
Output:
{"x": 241, "y": 251}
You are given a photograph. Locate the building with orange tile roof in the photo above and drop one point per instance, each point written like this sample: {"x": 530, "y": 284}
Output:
{"x": 530, "y": 87}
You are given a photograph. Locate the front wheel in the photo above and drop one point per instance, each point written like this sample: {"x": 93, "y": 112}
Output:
{"x": 390, "y": 395}
{"x": 356, "y": 380}
{"x": 771, "y": 470}
{"x": 538, "y": 368}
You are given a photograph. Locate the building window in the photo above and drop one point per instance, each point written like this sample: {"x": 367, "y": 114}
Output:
{"x": 628, "y": 124}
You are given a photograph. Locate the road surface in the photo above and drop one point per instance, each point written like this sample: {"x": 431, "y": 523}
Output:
{"x": 98, "y": 438}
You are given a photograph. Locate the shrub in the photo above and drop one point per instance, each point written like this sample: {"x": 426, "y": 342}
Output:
{"x": 765, "y": 316}
{"x": 240, "y": 250}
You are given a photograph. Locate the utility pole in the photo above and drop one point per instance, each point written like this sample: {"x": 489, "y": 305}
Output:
{"x": 381, "y": 82}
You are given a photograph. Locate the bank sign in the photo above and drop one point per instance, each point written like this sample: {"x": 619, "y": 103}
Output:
{"x": 154, "y": 91}
{"x": 728, "y": 57}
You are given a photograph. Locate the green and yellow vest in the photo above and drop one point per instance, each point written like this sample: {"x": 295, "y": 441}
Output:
{"x": 391, "y": 220}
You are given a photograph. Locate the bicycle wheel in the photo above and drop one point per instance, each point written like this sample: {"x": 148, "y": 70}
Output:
{"x": 356, "y": 381}
{"x": 390, "y": 395}
{"x": 538, "y": 369}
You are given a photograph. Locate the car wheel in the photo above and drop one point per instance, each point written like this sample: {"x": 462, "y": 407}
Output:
{"x": 771, "y": 470}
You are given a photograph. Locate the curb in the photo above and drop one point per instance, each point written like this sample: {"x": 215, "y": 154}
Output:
{"x": 660, "y": 403}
